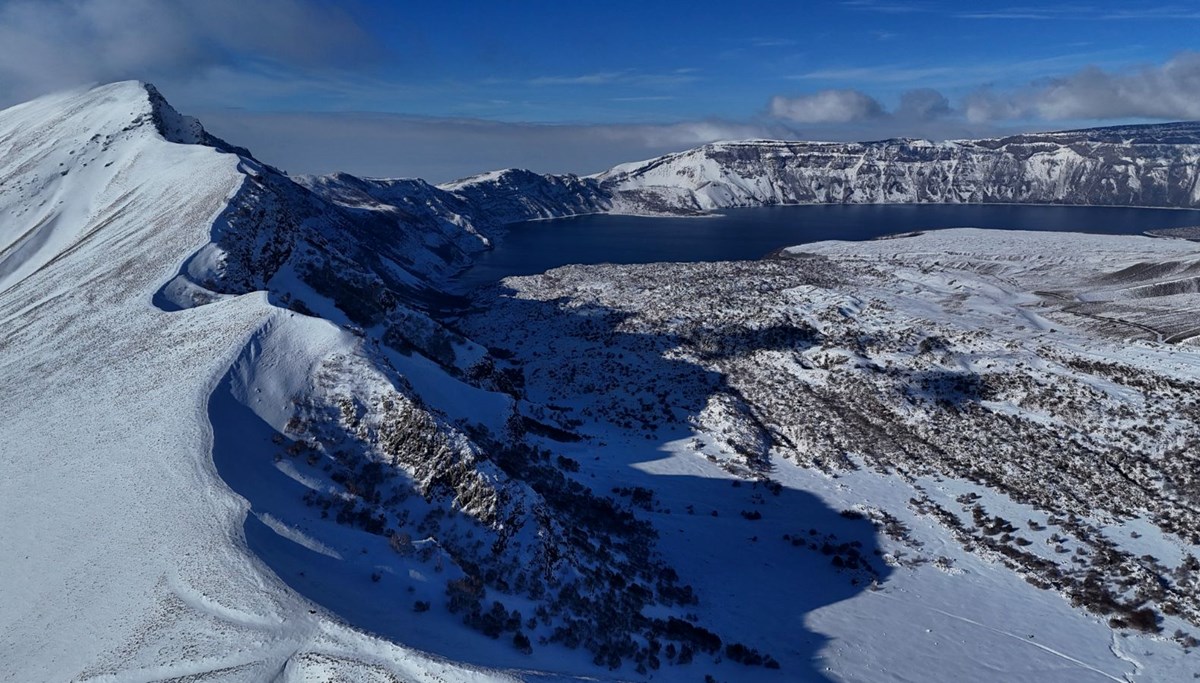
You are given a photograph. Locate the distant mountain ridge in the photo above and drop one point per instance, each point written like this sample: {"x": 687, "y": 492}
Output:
{"x": 1154, "y": 165}
{"x": 1144, "y": 166}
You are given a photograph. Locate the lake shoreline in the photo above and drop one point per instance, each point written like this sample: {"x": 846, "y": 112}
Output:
{"x": 752, "y": 233}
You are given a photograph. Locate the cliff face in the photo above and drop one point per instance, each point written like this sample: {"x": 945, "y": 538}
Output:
{"x": 515, "y": 195}
{"x": 1154, "y": 165}
{"x": 1145, "y": 166}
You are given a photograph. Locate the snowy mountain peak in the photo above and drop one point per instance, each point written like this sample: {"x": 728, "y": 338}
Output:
{"x": 173, "y": 126}
{"x": 71, "y": 159}
{"x": 114, "y": 385}
{"x": 124, "y": 106}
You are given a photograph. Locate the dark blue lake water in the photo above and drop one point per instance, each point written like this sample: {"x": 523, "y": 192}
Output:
{"x": 752, "y": 233}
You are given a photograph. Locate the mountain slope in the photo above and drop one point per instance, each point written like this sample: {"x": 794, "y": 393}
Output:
{"x": 996, "y": 408}
{"x": 1152, "y": 165}
{"x": 236, "y": 435}
{"x": 125, "y": 556}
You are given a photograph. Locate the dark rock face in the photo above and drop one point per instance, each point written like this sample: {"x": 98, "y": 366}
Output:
{"x": 518, "y": 195}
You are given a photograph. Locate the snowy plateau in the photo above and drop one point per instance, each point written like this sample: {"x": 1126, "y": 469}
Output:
{"x": 250, "y": 432}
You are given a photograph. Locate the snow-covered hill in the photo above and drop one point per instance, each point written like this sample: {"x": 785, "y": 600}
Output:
{"x": 998, "y": 407}
{"x": 235, "y": 441}
{"x": 479, "y": 207}
{"x": 124, "y": 552}
{"x": 515, "y": 195}
{"x": 1153, "y": 165}
{"x": 245, "y": 434}
{"x": 232, "y": 437}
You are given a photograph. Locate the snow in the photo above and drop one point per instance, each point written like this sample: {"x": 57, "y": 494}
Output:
{"x": 168, "y": 422}
{"x": 939, "y": 611}
{"x": 451, "y": 396}
{"x": 124, "y": 552}
{"x": 1066, "y": 168}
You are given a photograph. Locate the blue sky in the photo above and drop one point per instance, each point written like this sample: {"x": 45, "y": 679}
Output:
{"x": 662, "y": 61}
{"x": 440, "y": 89}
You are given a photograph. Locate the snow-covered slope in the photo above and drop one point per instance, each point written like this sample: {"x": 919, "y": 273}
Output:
{"x": 480, "y": 205}
{"x": 1154, "y": 165}
{"x": 124, "y": 556}
{"x": 235, "y": 441}
{"x": 516, "y": 195}
{"x": 959, "y": 456}
{"x": 246, "y": 436}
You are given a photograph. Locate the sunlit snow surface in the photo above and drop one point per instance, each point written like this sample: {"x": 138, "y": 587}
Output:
{"x": 149, "y": 532}
{"x": 124, "y": 557}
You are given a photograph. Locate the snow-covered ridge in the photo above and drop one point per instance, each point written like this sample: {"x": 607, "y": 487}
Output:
{"x": 57, "y": 151}
{"x": 126, "y": 552}
{"x": 1138, "y": 166}
{"x": 229, "y": 417}
{"x": 514, "y": 195}
{"x": 1152, "y": 165}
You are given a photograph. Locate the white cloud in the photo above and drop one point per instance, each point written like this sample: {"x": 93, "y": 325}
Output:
{"x": 877, "y": 74}
{"x": 827, "y": 106}
{"x": 598, "y": 78}
{"x": 853, "y": 106}
{"x": 773, "y": 42}
{"x": 1167, "y": 91}
{"x": 1030, "y": 14}
{"x": 887, "y": 7}
{"x": 51, "y": 44}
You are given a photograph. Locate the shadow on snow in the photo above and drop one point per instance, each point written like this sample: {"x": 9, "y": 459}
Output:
{"x": 762, "y": 558}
